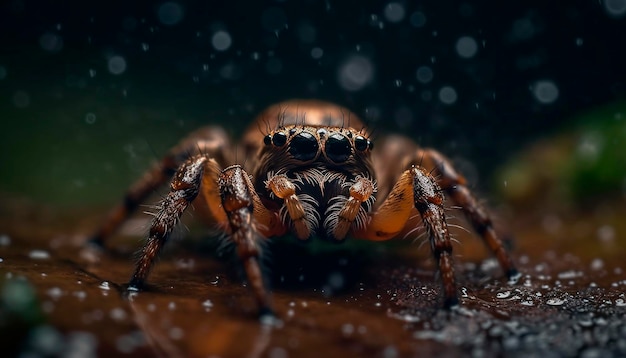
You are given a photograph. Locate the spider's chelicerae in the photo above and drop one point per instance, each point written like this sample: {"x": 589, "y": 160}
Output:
{"x": 314, "y": 172}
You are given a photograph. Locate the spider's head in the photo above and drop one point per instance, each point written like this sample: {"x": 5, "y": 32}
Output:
{"x": 305, "y": 145}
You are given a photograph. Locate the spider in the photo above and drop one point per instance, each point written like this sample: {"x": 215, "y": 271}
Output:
{"x": 313, "y": 172}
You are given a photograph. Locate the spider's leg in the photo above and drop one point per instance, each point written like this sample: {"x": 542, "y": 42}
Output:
{"x": 183, "y": 190}
{"x": 455, "y": 186}
{"x": 417, "y": 189}
{"x": 210, "y": 141}
{"x": 239, "y": 202}
{"x": 285, "y": 189}
{"x": 360, "y": 191}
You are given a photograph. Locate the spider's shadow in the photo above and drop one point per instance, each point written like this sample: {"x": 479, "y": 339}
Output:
{"x": 290, "y": 264}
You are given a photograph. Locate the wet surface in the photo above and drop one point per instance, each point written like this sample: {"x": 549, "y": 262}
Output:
{"x": 369, "y": 300}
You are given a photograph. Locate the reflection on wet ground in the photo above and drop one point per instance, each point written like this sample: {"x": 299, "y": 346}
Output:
{"x": 371, "y": 300}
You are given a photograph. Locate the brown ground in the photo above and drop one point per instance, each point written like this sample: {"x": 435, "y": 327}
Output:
{"x": 369, "y": 300}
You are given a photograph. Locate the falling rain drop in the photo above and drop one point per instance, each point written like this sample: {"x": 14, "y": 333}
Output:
{"x": 170, "y": 13}
{"x": 466, "y": 47}
{"x": 394, "y": 12}
{"x": 545, "y": 91}
{"x": 355, "y": 73}
{"x": 221, "y": 40}
{"x": 615, "y": 8}
{"x": 447, "y": 95}
{"x": 116, "y": 65}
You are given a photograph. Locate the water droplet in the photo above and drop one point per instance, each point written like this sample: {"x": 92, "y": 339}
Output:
{"x": 39, "y": 255}
{"x": 105, "y": 285}
{"x": 176, "y": 333}
{"x": 355, "y": 73}
{"x": 90, "y": 118}
{"x": 317, "y": 53}
{"x": 555, "y": 301}
{"x": 221, "y": 40}
{"x": 545, "y": 91}
{"x": 424, "y": 74}
{"x": 502, "y": 295}
{"x": 21, "y": 99}
{"x": 170, "y": 13}
{"x": 5, "y": 240}
{"x": 418, "y": 19}
{"x": 51, "y": 42}
{"x": 394, "y": 12}
{"x": 207, "y": 305}
{"x": 117, "y": 314}
{"x": 447, "y": 95}
{"x": 466, "y": 47}
{"x": 116, "y": 65}
{"x": 615, "y": 8}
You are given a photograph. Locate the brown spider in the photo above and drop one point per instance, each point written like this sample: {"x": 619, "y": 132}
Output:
{"x": 312, "y": 173}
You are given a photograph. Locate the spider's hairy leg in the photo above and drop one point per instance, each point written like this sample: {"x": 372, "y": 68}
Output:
{"x": 283, "y": 188}
{"x": 211, "y": 141}
{"x": 360, "y": 192}
{"x": 455, "y": 186}
{"x": 429, "y": 202}
{"x": 239, "y": 202}
{"x": 183, "y": 190}
{"x": 416, "y": 190}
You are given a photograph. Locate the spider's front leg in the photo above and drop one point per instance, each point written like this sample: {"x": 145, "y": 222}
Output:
{"x": 240, "y": 202}
{"x": 184, "y": 188}
{"x": 455, "y": 186}
{"x": 417, "y": 189}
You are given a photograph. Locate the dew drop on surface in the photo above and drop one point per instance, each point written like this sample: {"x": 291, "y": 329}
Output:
{"x": 545, "y": 91}
{"x": 221, "y": 40}
{"x": 5, "y": 240}
{"x": 117, "y": 314}
{"x": 176, "y": 333}
{"x": 555, "y": 301}
{"x": 394, "y": 12}
{"x": 606, "y": 233}
{"x": 502, "y": 295}
{"x": 170, "y": 13}
{"x": 39, "y": 255}
{"x": 355, "y": 73}
{"x": 207, "y": 304}
{"x": 466, "y": 47}
{"x": 116, "y": 65}
{"x": 55, "y": 293}
{"x": 447, "y": 95}
{"x": 104, "y": 285}
{"x": 615, "y": 8}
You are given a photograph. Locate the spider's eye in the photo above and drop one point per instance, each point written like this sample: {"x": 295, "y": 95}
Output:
{"x": 360, "y": 143}
{"x": 267, "y": 140}
{"x": 303, "y": 146}
{"x": 338, "y": 148}
{"x": 279, "y": 139}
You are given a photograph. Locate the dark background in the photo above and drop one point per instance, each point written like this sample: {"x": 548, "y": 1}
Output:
{"x": 75, "y": 131}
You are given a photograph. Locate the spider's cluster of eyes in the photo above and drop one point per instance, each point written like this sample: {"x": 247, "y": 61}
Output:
{"x": 304, "y": 144}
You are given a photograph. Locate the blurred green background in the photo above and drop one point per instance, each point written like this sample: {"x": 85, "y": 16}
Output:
{"x": 91, "y": 94}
